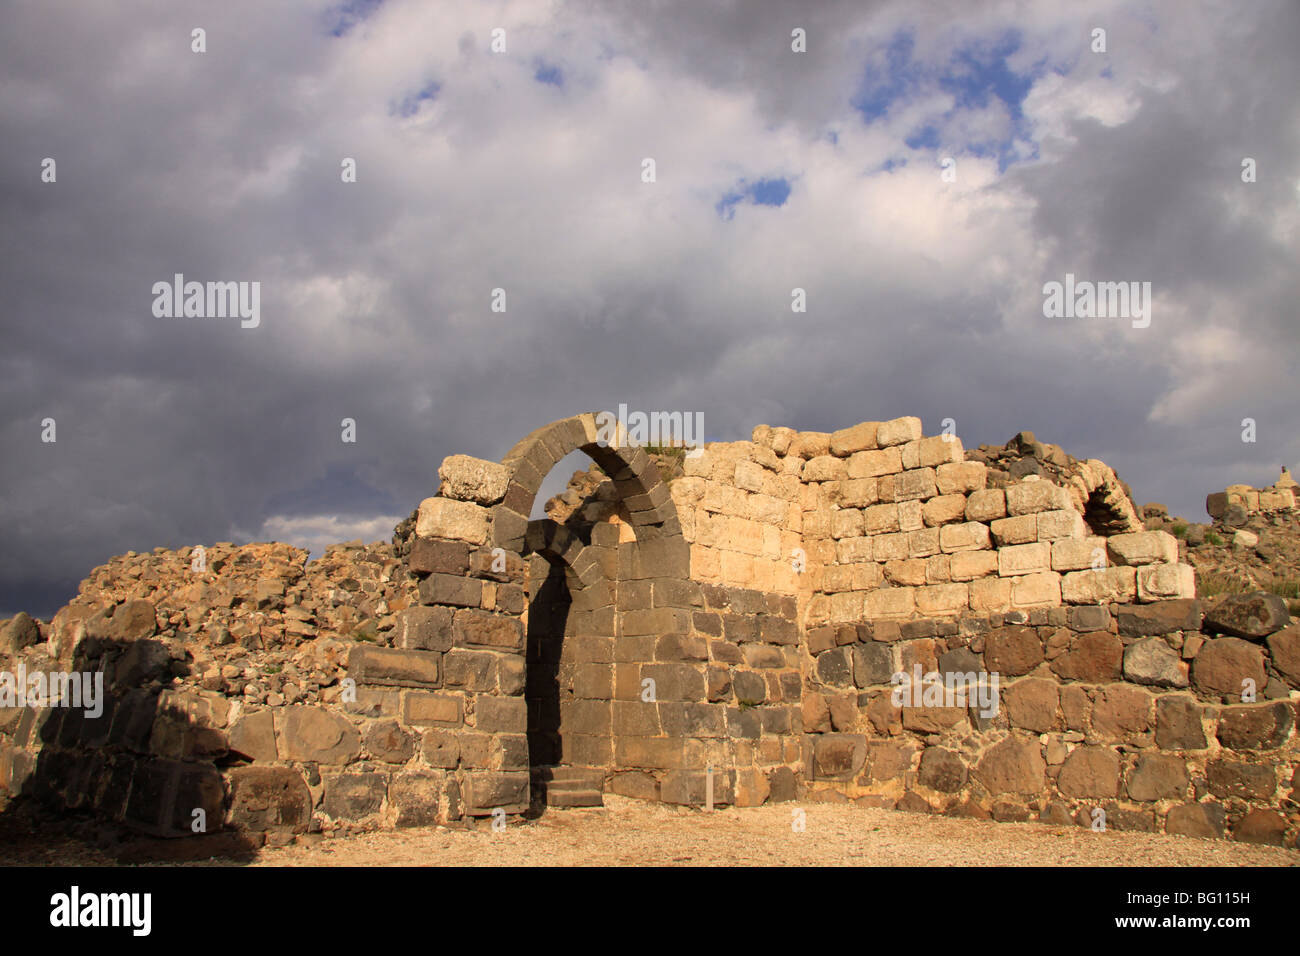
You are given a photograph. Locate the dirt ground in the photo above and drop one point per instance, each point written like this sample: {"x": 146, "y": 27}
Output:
{"x": 632, "y": 833}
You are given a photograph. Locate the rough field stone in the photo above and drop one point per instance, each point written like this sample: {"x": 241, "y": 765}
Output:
{"x": 1153, "y": 662}
{"x": 1121, "y": 711}
{"x": 264, "y": 798}
{"x": 942, "y": 770}
{"x": 473, "y": 479}
{"x": 1032, "y": 704}
{"x": 1236, "y": 778}
{"x": 1204, "y": 820}
{"x": 1256, "y": 726}
{"x": 1284, "y": 646}
{"x": 1012, "y": 651}
{"x": 1089, "y": 772}
{"x": 1012, "y": 766}
{"x": 1178, "y": 724}
{"x": 1093, "y": 658}
{"x": 318, "y": 735}
{"x": 1157, "y": 777}
{"x": 1222, "y": 665}
{"x": 1253, "y": 616}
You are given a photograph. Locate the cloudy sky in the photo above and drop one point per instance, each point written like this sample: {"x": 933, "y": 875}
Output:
{"x": 522, "y": 170}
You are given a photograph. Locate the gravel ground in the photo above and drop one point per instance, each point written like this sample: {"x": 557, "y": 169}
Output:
{"x": 630, "y": 833}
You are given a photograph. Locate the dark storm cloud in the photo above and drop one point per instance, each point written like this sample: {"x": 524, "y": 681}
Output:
{"x": 479, "y": 171}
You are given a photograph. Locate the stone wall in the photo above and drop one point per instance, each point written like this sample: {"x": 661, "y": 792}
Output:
{"x": 1280, "y": 496}
{"x": 727, "y": 635}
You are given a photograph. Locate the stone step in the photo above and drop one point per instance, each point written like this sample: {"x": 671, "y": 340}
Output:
{"x": 574, "y": 798}
{"x": 570, "y": 778}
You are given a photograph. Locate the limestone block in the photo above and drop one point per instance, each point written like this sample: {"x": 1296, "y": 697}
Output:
{"x": 1040, "y": 589}
{"x": 1022, "y": 529}
{"x": 1110, "y": 586}
{"x": 923, "y": 543}
{"x": 961, "y": 477}
{"x": 944, "y": 509}
{"x": 847, "y": 441}
{"x": 809, "y": 444}
{"x": 1030, "y": 497}
{"x": 881, "y": 519}
{"x": 890, "y": 547}
{"x": 917, "y": 483}
{"x": 890, "y": 603}
{"x": 825, "y": 468}
{"x": 473, "y": 479}
{"x": 986, "y": 504}
{"x": 968, "y": 536}
{"x": 1057, "y": 525}
{"x": 1143, "y": 547}
{"x": 990, "y": 594}
{"x": 910, "y": 516}
{"x": 968, "y": 565}
{"x": 1078, "y": 554}
{"x": 872, "y": 464}
{"x": 1162, "y": 582}
{"x": 898, "y": 431}
{"x": 1024, "y": 559}
{"x": 942, "y": 598}
{"x": 449, "y": 518}
{"x": 848, "y": 523}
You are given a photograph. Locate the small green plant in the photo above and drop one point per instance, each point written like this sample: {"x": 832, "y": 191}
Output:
{"x": 1179, "y": 530}
{"x": 1212, "y": 538}
{"x": 745, "y": 703}
{"x": 271, "y": 669}
{"x": 1215, "y": 583}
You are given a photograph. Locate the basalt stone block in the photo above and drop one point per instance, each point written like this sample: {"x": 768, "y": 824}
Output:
{"x": 942, "y": 770}
{"x": 387, "y": 742}
{"x": 1284, "y": 647}
{"x": 1012, "y": 651}
{"x": 487, "y": 789}
{"x": 502, "y": 714}
{"x": 1162, "y": 617}
{"x": 353, "y": 796}
{"x": 318, "y": 735}
{"x": 873, "y": 663}
{"x": 1234, "y": 778}
{"x": 1252, "y": 616}
{"x": 1265, "y": 827}
{"x": 484, "y": 629}
{"x": 1093, "y": 658}
{"x": 440, "y": 556}
{"x": 1121, "y": 711}
{"x": 1157, "y": 777}
{"x": 452, "y": 590}
{"x": 1090, "y": 772}
{"x": 1223, "y": 665}
{"x": 416, "y": 796}
{"x": 149, "y": 806}
{"x": 391, "y": 667}
{"x": 1203, "y": 820}
{"x": 1256, "y": 727}
{"x": 267, "y": 798}
{"x": 1178, "y": 724}
{"x": 424, "y": 629}
{"x": 838, "y": 756}
{"x": 1012, "y": 766}
{"x": 253, "y": 736}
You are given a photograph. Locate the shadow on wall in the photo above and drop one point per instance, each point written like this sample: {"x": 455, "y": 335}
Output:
{"x": 109, "y": 735}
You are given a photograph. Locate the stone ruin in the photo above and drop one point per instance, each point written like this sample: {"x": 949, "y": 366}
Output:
{"x": 721, "y": 628}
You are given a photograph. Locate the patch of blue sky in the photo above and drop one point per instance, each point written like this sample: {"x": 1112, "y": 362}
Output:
{"x": 546, "y": 73}
{"x": 346, "y": 15}
{"x": 410, "y": 104}
{"x": 976, "y": 75}
{"x": 764, "y": 192}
